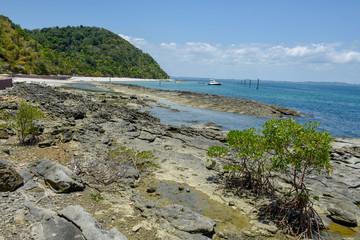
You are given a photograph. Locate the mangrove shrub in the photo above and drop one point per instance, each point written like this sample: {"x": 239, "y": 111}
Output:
{"x": 252, "y": 157}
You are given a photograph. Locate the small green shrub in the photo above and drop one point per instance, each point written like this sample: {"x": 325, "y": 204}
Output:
{"x": 138, "y": 159}
{"x": 296, "y": 150}
{"x": 245, "y": 160}
{"x": 23, "y": 122}
{"x": 96, "y": 197}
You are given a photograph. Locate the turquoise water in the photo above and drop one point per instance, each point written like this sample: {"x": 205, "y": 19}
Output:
{"x": 335, "y": 106}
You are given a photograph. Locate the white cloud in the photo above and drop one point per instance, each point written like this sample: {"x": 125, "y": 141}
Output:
{"x": 138, "y": 42}
{"x": 249, "y": 60}
{"x": 200, "y": 47}
{"x": 171, "y": 45}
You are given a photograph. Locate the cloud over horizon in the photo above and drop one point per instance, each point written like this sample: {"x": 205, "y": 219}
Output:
{"x": 279, "y": 61}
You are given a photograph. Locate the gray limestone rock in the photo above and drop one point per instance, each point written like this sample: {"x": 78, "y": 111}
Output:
{"x": 184, "y": 219}
{"x": 91, "y": 228}
{"x": 59, "y": 177}
{"x": 47, "y": 143}
{"x": 4, "y": 163}
{"x": 343, "y": 214}
{"x": 9, "y": 179}
{"x": 46, "y": 225}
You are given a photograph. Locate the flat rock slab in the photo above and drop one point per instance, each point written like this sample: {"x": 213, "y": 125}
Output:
{"x": 46, "y": 225}
{"x": 344, "y": 214}
{"x": 184, "y": 219}
{"x": 91, "y": 228}
{"x": 57, "y": 176}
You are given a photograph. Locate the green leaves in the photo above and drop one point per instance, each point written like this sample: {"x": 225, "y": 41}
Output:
{"x": 252, "y": 156}
{"x": 97, "y": 51}
{"x": 24, "y": 121}
{"x": 96, "y": 197}
{"x": 72, "y": 50}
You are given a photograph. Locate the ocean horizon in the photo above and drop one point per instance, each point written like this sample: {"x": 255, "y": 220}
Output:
{"x": 336, "y": 106}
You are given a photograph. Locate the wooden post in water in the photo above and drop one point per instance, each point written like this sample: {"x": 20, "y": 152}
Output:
{"x": 258, "y": 83}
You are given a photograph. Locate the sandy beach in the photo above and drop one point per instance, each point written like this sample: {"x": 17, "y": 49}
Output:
{"x": 72, "y": 80}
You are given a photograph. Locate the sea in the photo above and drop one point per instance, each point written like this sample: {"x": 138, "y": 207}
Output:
{"x": 335, "y": 106}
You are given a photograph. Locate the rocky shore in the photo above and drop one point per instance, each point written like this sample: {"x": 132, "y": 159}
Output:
{"x": 202, "y": 100}
{"x": 51, "y": 190}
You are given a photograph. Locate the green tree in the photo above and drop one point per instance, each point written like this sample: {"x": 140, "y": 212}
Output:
{"x": 299, "y": 151}
{"x": 282, "y": 146}
{"x": 245, "y": 160}
{"x": 23, "y": 122}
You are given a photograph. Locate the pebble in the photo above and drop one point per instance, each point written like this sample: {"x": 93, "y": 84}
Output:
{"x": 231, "y": 203}
{"x": 136, "y": 227}
{"x": 151, "y": 189}
{"x": 187, "y": 189}
{"x": 5, "y": 194}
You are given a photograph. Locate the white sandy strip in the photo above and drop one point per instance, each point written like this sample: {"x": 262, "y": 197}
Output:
{"x": 54, "y": 82}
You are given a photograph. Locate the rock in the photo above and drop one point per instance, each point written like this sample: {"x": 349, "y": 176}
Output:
{"x": 4, "y": 134}
{"x": 184, "y": 219}
{"x": 59, "y": 177}
{"x": 4, "y": 163}
{"x": 151, "y": 189}
{"x": 46, "y": 225}
{"x": 10, "y": 180}
{"x": 136, "y": 227}
{"x": 231, "y": 203}
{"x": 91, "y": 229}
{"x": 78, "y": 112}
{"x": 343, "y": 216}
{"x": 189, "y": 236}
{"x": 7, "y": 151}
{"x": 47, "y": 143}
{"x": 67, "y": 135}
{"x": 128, "y": 174}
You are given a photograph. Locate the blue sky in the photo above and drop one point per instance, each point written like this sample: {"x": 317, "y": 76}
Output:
{"x": 288, "y": 40}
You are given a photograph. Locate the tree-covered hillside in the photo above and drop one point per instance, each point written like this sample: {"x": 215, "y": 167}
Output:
{"x": 97, "y": 51}
{"x": 19, "y": 53}
{"x": 72, "y": 50}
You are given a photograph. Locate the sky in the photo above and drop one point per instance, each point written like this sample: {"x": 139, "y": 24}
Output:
{"x": 284, "y": 40}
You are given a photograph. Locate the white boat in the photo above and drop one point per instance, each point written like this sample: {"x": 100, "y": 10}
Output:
{"x": 213, "y": 82}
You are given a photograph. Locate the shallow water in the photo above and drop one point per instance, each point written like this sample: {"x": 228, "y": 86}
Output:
{"x": 335, "y": 106}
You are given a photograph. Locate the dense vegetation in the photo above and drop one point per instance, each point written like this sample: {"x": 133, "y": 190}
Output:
{"x": 253, "y": 159}
{"x": 19, "y": 53}
{"x": 72, "y": 50}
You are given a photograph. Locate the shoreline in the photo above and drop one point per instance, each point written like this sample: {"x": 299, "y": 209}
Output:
{"x": 207, "y": 101}
{"x": 74, "y": 80}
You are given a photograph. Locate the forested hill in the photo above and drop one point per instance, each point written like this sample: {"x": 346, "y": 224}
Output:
{"x": 19, "y": 53}
{"x": 72, "y": 50}
{"x": 97, "y": 51}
